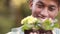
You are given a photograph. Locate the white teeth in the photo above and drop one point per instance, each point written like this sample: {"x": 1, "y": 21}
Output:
{"x": 41, "y": 17}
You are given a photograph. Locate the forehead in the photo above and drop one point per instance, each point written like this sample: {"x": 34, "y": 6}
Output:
{"x": 46, "y": 1}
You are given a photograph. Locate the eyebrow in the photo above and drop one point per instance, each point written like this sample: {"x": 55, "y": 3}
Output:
{"x": 40, "y": 2}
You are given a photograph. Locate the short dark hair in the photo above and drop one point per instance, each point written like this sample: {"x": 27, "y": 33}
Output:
{"x": 57, "y": 1}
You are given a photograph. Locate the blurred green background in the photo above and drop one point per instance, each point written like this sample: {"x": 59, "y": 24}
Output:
{"x": 11, "y": 13}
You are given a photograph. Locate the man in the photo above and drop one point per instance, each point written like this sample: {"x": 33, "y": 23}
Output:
{"x": 42, "y": 9}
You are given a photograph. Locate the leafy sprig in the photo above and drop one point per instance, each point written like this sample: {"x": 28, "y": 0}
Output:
{"x": 31, "y": 22}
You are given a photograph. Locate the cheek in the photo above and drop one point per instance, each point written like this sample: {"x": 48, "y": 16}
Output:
{"x": 53, "y": 14}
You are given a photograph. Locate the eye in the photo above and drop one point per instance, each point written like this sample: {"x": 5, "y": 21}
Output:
{"x": 40, "y": 4}
{"x": 52, "y": 8}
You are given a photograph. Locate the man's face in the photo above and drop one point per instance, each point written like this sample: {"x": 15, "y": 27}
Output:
{"x": 44, "y": 9}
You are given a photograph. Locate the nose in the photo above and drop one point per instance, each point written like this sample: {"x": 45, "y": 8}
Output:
{"x": 44, "y": 13}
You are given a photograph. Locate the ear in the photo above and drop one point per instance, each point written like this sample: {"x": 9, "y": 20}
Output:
{"x": 30, "y": 4}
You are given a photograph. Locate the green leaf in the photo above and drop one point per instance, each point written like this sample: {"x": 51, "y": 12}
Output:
{"x": 26, "y": 27}
{"x": 47, "y": 24}
{"x": 56, "y": 25}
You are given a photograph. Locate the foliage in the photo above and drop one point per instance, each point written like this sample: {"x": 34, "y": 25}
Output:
{"x": 31, "y": 22}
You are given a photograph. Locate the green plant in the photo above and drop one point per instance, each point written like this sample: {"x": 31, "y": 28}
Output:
{"x": 31, "y": 22}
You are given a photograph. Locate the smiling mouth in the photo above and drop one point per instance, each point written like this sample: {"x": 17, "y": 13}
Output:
{"x": 40, "y": 16}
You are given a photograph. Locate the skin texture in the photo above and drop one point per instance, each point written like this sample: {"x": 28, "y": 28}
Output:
{"x": 44, "y": 9}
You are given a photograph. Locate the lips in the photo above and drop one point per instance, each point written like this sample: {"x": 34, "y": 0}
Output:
{"x": 40, "y": 16}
